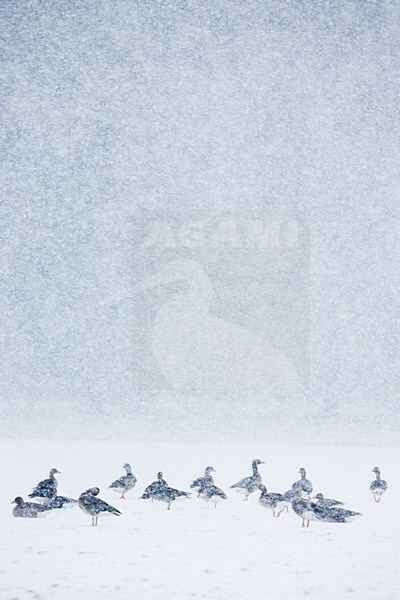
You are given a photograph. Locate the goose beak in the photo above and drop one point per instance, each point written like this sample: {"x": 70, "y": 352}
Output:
{"x": 13, "y": 502}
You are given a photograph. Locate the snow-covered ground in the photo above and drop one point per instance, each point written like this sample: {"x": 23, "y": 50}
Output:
{"x": 236, "y": 551}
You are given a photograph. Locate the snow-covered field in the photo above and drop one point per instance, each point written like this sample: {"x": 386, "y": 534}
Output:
{"x": 236, "y": 551}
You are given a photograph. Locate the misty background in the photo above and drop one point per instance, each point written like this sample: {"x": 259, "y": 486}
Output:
{"x": 123, "y": 118}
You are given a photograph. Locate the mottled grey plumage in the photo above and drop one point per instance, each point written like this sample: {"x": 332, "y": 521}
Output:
{"x": 337, "y": 515}
{"x": 125, "y": 483}
{"x": 29, "y": 510}
{"x": 327, "y": 502}
{"x": 89, "y": 503}
{"x": 248, "y": 485}
{"x": 379, "y": 486}
{"x": 47, "y": 488}
{"x": 274, "y": 501}
{"x": 62, "y": 502}
{"x": 161, "y": 492}
{"x": 310, "y": 511}
{"x": 303, "y": 485}
{"x": 212, "y": 493}
{"x": 204, "y": 481}
{"x": 168, "y": 495}
{"x": 154, "y": 487}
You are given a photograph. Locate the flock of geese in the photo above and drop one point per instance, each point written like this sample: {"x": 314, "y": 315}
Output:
{"x": 299, "y": 498}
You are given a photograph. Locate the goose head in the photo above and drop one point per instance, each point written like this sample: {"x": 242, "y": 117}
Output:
{"x": 18, "y": 501}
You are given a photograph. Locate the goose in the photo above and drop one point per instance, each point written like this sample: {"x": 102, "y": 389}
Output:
{"x": 89, "y": 503}
{"x": 125, "y": 483}
{"x": 29, "y": 510}
{"x": 274, "y": 501}
{"x": 212, "y": 493}
{"x": 378, "y": 487}
{"x": 206, "y": 480}
{"x": 161, "y": 492}
{"x": 326, "y": 502}
{"x": 305, "y": 509}
{"x": 167, "y": 495}
{"x": 47, "y": 488}
{"x": 154, "y": 487}
{"x": 303, "y": 485}
{"x": 248, "y": 485}
{"x": 310, "y": 511}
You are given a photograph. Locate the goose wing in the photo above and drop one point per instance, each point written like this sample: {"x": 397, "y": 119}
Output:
{"x": 45, "y": 489}
{"x": 243, "y": 483}
{"x": 101, "y": 506}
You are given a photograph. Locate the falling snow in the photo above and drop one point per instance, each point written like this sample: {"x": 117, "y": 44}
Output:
{"x": 199, "y": 243}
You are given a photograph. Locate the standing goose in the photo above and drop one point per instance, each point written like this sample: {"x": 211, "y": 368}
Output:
{"x": 274, "y": 501}
{"x": 379, "y": 486}
{"x": 125, "y": 483}
{"x": 154, "y": 487}
{"x": 47, "y": 488}
{"x": 303, "y": 485}
{"x": 309, "y": 511}
{"x": 248, "y": 485}
{"x": 29, "y": 510}
{"x": 167, "y": 495}
{"x": 94, "y": 506}
{"x": 305, "y": 509}
{"x": 212, "y": 493}
{"x": 161, "y": 492}
{"x": 205, "y": 481}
